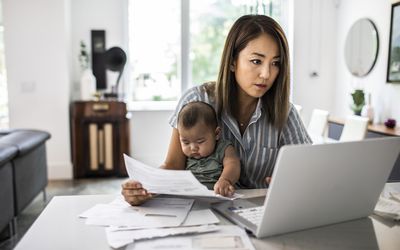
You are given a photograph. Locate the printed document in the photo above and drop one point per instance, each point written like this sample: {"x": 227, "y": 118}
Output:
{"x": 172, "y": 182}
{"x": 117, "y": 239}
{"x": 388, "y": 205}
{"x": 157, "y": 212}
{"x": 194, "y": 218}
{"x": 227, "y": 237}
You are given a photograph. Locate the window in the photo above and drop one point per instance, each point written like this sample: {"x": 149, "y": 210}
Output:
{"x": 154, "y": 48}
{"x": 3, "y": 80}
{"x": 179, "y": 43}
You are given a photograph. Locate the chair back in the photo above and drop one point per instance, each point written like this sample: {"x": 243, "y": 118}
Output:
{"x": 298, "y": 108}
{"x": 318, "y": 122}
{"x": 355, "y": 128}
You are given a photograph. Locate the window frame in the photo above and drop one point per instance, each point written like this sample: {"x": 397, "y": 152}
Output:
{"x": 184, "y": 67}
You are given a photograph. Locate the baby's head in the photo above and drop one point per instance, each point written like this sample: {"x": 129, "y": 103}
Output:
{"x": 198, "y": 129}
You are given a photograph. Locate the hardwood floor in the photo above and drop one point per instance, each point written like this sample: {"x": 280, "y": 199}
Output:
{"x": 60, "y": 187}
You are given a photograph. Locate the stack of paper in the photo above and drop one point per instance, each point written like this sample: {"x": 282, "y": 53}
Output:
{"x": 165, "y": 217}
{"x": 388, "y": 205}
{"x": 159, "y": 217}
{"x": 157, "y": 212}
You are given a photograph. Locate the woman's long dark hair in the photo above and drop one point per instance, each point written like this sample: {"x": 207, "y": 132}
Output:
{"x": 276, "y": 100}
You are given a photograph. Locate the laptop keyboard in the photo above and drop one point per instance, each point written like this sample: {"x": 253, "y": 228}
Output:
{"x": 252, "y": 214}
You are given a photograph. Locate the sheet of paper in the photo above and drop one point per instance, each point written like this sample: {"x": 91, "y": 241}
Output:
{"x": 157, "y": 212}
{"x": 395, "y": 196}
{"x": 173, "y": 182}
{"x": 200, "y": 217}
{"x": 227, "y": 237}
{"x": 118, "y": 239}
{"x": 388, "y": 208}
{"x": 194, "y": 218}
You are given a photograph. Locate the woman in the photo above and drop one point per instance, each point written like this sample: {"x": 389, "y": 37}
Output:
{"x": 251, "y": 97}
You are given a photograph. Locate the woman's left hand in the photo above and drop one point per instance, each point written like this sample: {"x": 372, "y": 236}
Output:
{"x": 268, "y": 180}
{"x": 224, "y": 187}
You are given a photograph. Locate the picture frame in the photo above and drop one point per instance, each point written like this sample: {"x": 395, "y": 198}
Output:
{"x": 393, "y": 67}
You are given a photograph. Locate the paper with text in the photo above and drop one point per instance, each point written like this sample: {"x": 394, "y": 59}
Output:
{"x": 388, "y": 205}
{"x": 117, "y": 239}
{"x": 194, "y": 218}
{"x": 157, "y": 212}
{"x": 172, "y": 182}
{"x": 227, "y": 237}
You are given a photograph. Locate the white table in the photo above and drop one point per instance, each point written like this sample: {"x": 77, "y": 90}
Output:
{"x": 58, "y": 227}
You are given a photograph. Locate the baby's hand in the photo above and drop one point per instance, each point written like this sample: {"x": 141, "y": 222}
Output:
{"x": 224, "y": 187}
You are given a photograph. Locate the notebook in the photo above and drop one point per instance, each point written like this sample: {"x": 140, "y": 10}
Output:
{"x": 316, "y": 185}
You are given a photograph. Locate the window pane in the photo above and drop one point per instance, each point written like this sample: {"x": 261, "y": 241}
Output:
{"x": 210, "y": 21}
{"x": 3, "y": 79}
{"x": 154, "y": 36}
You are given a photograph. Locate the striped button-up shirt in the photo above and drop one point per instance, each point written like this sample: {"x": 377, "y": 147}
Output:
{"x": 258, "y": 146}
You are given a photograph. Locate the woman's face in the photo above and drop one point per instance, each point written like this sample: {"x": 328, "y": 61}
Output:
{"x": 257, "y": 66}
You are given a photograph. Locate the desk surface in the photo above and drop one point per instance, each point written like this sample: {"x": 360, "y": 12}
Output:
{"x": 378, "y": 128}
{"x": 58, "y": 227}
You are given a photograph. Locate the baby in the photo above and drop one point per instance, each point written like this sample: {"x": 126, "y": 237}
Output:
{"x": 212, "y": 160}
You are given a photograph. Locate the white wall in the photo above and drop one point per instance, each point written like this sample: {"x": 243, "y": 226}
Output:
{"x": 36, "y": 51}
{"x": 314, "y": 51}
{"x": 385, "y": 97}
{"x": 87, "y": 15}
{"x": 319, "y": 41}
{"x": 150, "y": 136}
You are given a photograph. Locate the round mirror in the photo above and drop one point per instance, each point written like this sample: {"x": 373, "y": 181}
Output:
{"x": 361, "y": 49}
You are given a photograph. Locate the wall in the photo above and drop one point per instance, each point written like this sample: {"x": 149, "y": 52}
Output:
{"x": 87, "y": 15}
{"x": 36, "y": 51}
{"x": 385, "y": 97}
{"x": 150, "y": 136}
{"x": 314, "y": 52}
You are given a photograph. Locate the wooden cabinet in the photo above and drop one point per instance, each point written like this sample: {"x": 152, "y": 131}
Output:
{"x": 99, "y": 138}
{"x": 374, "y": 131}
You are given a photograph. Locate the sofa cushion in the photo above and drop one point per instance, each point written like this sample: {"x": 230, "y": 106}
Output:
{"x": 24, "y": 140}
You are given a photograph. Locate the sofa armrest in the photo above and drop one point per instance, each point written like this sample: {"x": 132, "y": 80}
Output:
{"x": 24, "y": 140}
{"x": 7, "y": 153}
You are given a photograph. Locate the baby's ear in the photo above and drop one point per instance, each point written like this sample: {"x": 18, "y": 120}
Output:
{"x": 217, "y": 133}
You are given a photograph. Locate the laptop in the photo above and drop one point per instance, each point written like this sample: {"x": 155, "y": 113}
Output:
{"x": 316, "y": 185}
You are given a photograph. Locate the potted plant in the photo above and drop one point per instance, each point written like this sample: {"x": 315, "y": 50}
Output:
{"x": 358, "y": 101}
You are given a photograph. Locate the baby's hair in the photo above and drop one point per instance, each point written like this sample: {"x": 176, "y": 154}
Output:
{"x": 195, "y": 112}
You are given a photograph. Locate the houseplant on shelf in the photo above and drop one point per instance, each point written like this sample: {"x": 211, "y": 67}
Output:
{"x": 358, "y": 101}
{"x": 87, "y": 81}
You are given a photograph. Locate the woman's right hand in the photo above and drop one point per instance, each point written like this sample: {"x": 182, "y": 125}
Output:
{"x": 134, "y": 193}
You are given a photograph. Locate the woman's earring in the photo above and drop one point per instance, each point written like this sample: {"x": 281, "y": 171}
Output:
{"x": 232, "y": 68}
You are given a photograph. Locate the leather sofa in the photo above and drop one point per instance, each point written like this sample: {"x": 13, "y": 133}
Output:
{"x": 23, "y": 172}
{"x": 7, "y": 153}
